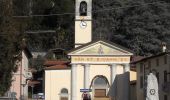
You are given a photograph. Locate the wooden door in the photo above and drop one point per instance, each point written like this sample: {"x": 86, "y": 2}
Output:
{"x": 100, "y": 93}
{"x": 64, "y": 98}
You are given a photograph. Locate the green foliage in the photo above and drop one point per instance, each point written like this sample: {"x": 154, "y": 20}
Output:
{"x": 63, "y": 25}
{"x": 37, "y": 63}
{"x": 141, "y": 28}
{"x": 10, "y": 45}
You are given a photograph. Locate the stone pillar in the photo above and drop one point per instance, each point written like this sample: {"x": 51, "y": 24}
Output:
{"x": 127, "y": 82}
{"x": 73, "y": 81}
{"x": 86, "y": 76}
{"x": 126, "y": 68}
{"x": 113, "y": 72}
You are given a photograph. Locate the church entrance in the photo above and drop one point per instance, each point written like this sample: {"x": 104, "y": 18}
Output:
{"x": 100, "y": 88}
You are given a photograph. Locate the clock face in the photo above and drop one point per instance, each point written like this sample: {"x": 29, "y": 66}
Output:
{"x": 83, "y": 24}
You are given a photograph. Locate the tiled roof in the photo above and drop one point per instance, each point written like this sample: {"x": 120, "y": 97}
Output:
{"x": 135, "y": 59}
{"x": 31, "y": 83}
{"x": 57, "y": 67}
{"x": 150, "y": 57}
{"x": 55, "y": 62}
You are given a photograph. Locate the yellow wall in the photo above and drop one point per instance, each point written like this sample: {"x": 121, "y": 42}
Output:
{"x": 83, "y": 35}
{"x": 132, "y": 75}
{"x": 55, "y": 80}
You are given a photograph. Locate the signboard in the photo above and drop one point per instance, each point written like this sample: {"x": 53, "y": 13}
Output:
{"x": 85, "y": 90}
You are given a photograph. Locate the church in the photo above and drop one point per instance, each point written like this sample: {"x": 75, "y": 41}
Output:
{"x": 97, "y": 70}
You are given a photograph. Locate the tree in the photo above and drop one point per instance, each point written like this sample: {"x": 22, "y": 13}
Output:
{"x": 62, "y": 24}
{"x": 139, "y": 26}
{"x": 10, "y": 46}
{"x": 37, "y": 63}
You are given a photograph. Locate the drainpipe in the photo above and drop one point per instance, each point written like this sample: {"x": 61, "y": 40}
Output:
{"x": 168, "y": 57}
{"x": 21, "y": 77}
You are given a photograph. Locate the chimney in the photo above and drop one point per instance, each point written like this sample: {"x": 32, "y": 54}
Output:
{"x": 164, "y": 48}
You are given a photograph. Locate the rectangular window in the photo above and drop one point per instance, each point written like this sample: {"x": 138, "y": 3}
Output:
{"x": 165, "y": 59}
{"x": 157, "y": 76}
{"x": 141, "y": 67}
{"x": 165, "y": 76}
{"x": 157, "y": 62}
{"x": 165, "y": 97}
{"x": 141, "y": 81}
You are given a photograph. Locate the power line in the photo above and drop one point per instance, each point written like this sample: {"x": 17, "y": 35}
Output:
{"x": 45, "y": 15}
{"x": 61, "y": 14}
{"x": 95, "y": 11}
{"x": 40, "y": 31}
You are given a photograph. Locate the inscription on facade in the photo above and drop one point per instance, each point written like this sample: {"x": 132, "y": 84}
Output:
{"x": 100, "y": 59}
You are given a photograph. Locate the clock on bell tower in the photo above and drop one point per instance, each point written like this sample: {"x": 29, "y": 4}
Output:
{"x": 83, "y": 22}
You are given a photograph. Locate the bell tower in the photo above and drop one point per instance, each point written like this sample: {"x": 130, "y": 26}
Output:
{"x": 83, "y": 22}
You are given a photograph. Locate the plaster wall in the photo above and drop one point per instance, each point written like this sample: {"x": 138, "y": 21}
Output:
{"x": 55, "y": 81}
{"x": 82, "y": 35}
{"x": 19, "y": 77}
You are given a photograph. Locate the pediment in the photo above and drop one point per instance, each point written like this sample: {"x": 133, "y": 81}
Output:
{"x": 100, "y": 48}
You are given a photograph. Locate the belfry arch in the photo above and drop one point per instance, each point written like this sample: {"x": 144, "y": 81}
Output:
{"x": 83, "y": 8}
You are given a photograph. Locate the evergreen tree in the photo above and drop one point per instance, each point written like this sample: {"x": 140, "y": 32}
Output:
{"x": 9, "y": 46}
{"x": 62, "y": 24}
{"x": 140, "y": 25}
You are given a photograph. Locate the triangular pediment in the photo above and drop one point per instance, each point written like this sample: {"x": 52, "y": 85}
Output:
{"x": 100, "y": 48}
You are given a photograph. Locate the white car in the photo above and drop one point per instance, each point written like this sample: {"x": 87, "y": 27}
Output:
{"x": 41, "y": 96}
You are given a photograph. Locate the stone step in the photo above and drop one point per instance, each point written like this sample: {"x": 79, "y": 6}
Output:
{"x": 102, "y": 98}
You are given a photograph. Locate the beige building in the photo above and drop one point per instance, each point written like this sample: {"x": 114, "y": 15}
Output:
{"x": 160, "y": 66}
{"x": 106, "y": 74}
{"x": 98, "y": 70}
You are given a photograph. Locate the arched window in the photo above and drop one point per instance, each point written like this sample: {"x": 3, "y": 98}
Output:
{"x": 83, "y": 8}
{"x": 100, "y": 82}
{"x": 64, "y": 94}
{"x": 100, "y": 86}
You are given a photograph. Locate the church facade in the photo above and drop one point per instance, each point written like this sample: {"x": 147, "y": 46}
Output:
{"x": 99, "y": 70}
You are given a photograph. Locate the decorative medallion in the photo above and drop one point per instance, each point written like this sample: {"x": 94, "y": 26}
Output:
{"x": 152, "y": 91}
{"x": 100, "y": 50}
